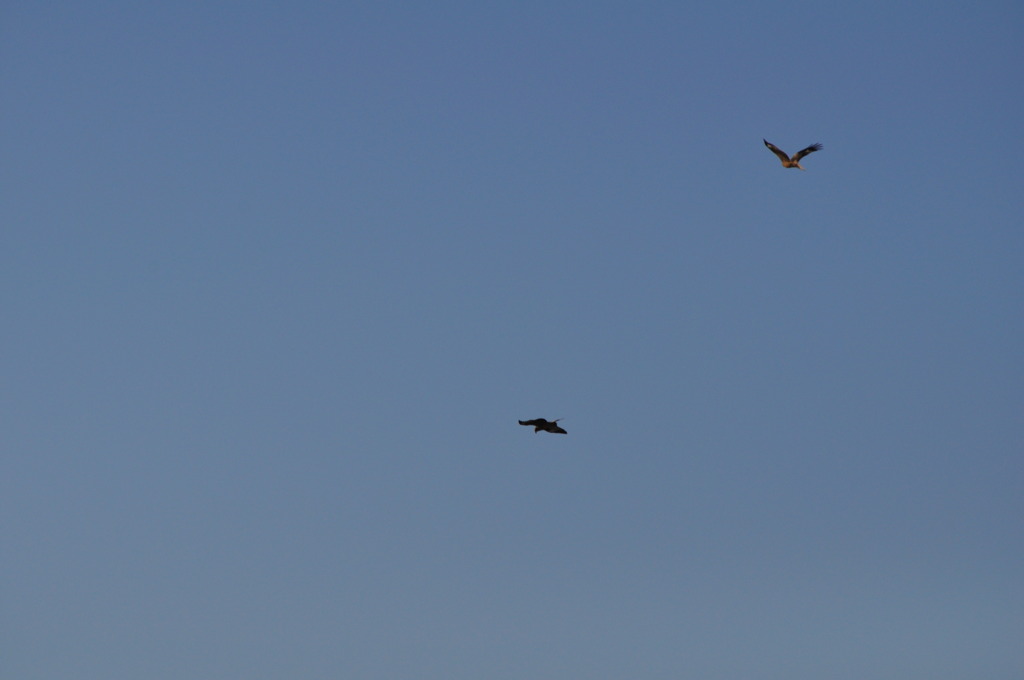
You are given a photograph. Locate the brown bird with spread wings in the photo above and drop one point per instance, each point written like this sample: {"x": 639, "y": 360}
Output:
{"x": 793, "y": 162}
{"x": 546, "y": 425}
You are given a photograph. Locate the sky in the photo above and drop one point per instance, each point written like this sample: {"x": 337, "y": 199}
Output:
{"x": 278, "y": 279}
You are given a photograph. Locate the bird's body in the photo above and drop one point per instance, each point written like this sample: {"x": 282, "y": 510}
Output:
{"x": 793, "y": 162}
{"x": 539, "y": 424}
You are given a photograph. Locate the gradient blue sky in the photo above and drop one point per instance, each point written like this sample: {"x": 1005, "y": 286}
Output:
{"x": 278, "y": 279}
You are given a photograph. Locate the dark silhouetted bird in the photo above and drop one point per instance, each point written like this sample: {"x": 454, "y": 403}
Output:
{"x": 793, "y": 162}
{"x": 546, "y": 425}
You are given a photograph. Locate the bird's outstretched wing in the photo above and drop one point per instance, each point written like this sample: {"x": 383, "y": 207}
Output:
{"x": 803, "y": 152}
{"x": 779, "y": 152}
{"x": 536, "y": 422}
{"x": 554, "y": 428}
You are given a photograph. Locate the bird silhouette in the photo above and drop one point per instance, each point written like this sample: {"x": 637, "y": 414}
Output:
{"x": 793, "y": 162}
{"x": 546, "y": 425}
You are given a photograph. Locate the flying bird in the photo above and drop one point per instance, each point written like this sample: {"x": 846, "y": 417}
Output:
{"x": 793, "y": 162}
{"x": 546, "y": 425}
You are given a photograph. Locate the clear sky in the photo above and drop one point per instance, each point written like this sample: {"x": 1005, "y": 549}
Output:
{"x": 277, "y": 279}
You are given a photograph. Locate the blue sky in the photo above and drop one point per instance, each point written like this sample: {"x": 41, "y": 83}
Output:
{"x": 278, "y": 279}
